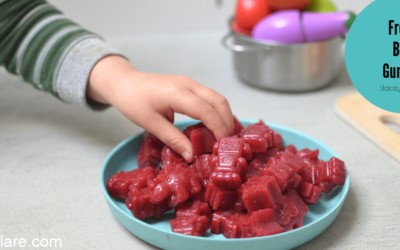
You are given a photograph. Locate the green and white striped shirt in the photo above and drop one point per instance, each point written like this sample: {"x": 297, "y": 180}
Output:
{"x": 48, "y": 50}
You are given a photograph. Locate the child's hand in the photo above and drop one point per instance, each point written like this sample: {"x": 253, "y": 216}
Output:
{"x": 150, "y": 100}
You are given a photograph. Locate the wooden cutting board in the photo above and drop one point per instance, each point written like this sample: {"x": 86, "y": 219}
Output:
{"x": 370, "y": 121}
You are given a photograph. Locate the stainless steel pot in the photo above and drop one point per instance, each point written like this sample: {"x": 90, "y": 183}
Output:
{"x": 288, "y": 68}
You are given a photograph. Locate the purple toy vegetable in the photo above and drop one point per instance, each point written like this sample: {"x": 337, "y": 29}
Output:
{"x": 293, "y": 26}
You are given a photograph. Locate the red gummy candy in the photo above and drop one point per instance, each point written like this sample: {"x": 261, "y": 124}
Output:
{"x": 286, "y": 211}
{"x": 259, "y": 161}
{"x": 199, "y": 196}
{"x": 330, "y": 174}
{"x": 189, "y": 129}
{"x": 294, "y": 161}
{"x": 237, "y": 126}
{"x": 233, "y": 146}
{"x": 260, "y": 193}
{"x": 309, "y": 192}
{"x": 325, "y": 175}
{"x": 193, "y": 208}
{"x": 230, "y": 162}
{"x": 258, "y": 137}
{"x": 302, "y": 209}
{"x": 218, "y": 219}
{"x": 204, "y": 167}
{"x": 266, "y": 197}
{"x": 226, "y": 222}
{"x": 230, "y": 180}
{"x": 169, "y": 168}
{"x": 336, "y": 171}
{"x": 201, "y": 137}
{"x": 219, "y": 197}
{"x": 264, "y": 223}
{"x": 290, "y": 148}
{"x": 118, "y": 184}
{"x": 177, "y": 187}
{"x": 239, "y": 225}
{"x": 239, "y": 205}
{"x": 278, "y": 141}
{"x": 139, "y": 202}
{"x": 246, "y": 226}
{"x": 190, "y": 225}
{"x": 233, "y": 226}
{"x": 306, "y": 173}
{"x": 150, "y": 151}
{"x": 202, "y": 140}
{"x": 161, "y": 209}
{"x": 170, "y": 157}
{"x": 307, "y": 153}
{"x": 293, "y": 181}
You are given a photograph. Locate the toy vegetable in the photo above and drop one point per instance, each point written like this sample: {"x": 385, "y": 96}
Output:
{"x": 293, "y": 26}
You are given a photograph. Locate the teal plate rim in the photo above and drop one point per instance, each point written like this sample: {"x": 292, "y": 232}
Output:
{"x": 171, "y": 240}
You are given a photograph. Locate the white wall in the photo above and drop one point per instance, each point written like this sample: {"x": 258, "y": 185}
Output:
{"x": 141, "y": 17}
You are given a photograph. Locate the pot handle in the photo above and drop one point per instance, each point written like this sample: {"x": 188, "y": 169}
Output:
{"x": 238, "y": 48}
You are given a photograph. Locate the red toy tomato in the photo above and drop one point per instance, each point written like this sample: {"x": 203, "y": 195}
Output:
{"x": 249, "y": 12}
{"x": 277, "y": 5}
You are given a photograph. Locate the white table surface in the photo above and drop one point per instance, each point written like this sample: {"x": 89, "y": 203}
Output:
{"x": 51, "y": 153}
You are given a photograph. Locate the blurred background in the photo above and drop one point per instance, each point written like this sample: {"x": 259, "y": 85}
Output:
{"x": 132, "y": 18}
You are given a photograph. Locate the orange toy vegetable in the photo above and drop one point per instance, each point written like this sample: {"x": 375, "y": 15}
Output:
{"x": 277, "y": 5}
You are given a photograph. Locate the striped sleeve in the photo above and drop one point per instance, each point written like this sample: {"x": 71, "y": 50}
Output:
{"x": 48, "y": 50}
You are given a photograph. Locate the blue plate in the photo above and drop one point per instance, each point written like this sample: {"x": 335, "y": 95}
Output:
{"x": 159, "y": 233}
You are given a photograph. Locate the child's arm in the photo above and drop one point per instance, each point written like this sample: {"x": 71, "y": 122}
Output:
{"x": 54, "y": 54}
{"x": 48, "y": 50}
{"x": 150, "y": 100}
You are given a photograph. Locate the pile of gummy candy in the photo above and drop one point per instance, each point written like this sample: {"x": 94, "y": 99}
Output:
{"x": 246, "y": 185}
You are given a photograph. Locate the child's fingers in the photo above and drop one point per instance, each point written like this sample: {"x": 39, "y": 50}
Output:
{"x": 171, "y": 136}
{"x": 220, "y": 104}
{"x": 197, "y": 108}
